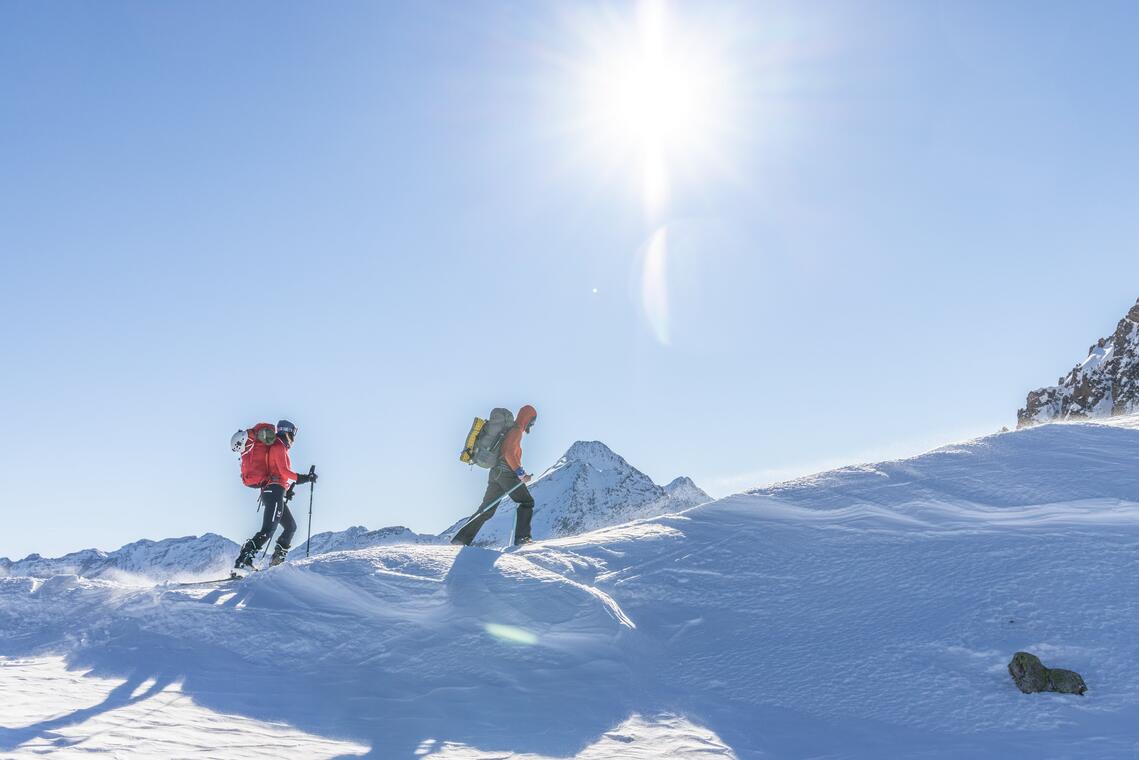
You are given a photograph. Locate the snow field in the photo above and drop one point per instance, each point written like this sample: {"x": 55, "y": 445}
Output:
{"x": 869, "y": 612}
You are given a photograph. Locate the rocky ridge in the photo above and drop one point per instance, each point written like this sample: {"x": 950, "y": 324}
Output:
{"x": 1104, "y": 384}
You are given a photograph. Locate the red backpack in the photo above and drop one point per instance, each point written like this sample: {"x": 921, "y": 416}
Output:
{"x": 255, "y": 458}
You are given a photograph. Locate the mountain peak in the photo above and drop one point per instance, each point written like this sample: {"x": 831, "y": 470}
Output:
{"x": 595, "y": 454}
{"x": 685, "y": 490}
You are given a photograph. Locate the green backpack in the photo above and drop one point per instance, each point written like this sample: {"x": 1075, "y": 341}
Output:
{"x": 485, "y": 438}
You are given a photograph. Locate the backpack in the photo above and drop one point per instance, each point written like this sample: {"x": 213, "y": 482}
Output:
{"x": 485, "y": 438}
{"x": 255, "y": 458}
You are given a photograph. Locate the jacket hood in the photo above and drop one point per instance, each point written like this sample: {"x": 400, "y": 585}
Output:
{"x": 526, "y": 415}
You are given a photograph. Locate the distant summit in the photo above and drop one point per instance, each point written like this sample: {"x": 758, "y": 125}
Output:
{"x": 591, "y": 487}
{"x": 1104, "y": 384}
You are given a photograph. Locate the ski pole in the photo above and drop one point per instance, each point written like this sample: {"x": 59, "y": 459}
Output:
{"x": 311, "y": 488}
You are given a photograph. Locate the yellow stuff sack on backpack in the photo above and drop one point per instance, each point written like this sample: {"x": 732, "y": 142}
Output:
{"x": 469, "y": 448}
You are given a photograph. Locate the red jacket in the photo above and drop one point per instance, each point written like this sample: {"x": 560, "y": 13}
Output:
{"x": 280, "y": 468}
{"x": 511, "y": 449}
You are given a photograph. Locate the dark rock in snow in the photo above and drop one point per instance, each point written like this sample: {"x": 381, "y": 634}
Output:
{"x": 1030, "y": 676}
{"x": 1067, "y": 681}
{"x": 1028, "y": 673}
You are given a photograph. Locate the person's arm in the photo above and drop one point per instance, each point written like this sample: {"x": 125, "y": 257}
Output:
{"x": 512, "y": 451}
{"x": 284, "y": 465}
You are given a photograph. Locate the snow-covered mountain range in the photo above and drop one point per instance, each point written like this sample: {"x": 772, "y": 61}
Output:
{"x": 590, "y": 487}
{"x": 867, "y": 612}
{"x": 168, "y": 559}
{"x": 359, "y": 537}
{"x": 1104, "y": 384}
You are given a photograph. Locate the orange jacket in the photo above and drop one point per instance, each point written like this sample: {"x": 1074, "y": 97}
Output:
{"x": 511, "y": 449}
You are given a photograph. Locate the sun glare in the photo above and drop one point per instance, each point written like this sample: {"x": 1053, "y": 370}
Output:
{"x": 655, "y": 94}
{"x": 657, "y": 107}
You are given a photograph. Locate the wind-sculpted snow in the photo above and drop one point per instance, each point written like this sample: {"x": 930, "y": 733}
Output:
{"x": 865, "y": 613}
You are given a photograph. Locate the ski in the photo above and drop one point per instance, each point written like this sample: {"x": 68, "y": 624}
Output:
{"x": 234, "y": 576}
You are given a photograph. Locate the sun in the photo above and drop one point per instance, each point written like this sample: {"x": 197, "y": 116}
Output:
{"x": 655, "y": 94}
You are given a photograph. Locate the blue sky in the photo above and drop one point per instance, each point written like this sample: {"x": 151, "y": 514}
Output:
{"x": 381, "y": 219}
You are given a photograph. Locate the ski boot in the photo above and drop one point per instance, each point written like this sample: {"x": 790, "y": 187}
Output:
{"x": 245, "y": 558}
{"x": 278, "y": 557}
{"x": 523, "y": 541}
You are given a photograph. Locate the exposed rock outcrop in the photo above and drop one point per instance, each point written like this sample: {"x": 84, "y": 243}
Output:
{"x": 1104, "y": 384}
{"x": 1031, "y": 677}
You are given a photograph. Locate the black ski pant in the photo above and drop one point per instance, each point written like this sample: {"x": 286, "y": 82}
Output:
{"x": 276, "y": 511}
{"x": 499, "y": 482}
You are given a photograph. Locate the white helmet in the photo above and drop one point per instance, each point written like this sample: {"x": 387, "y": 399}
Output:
{"x": 239, "y": 442}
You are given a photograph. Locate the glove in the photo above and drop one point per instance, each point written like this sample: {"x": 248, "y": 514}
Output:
{"x": 304, "y": 477}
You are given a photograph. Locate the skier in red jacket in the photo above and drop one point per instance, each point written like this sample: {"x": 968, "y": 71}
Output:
{"x": 508, "y": 476}
{"x": 274, "y": 473}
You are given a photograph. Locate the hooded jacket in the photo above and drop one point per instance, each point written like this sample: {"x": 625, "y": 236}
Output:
{"x": 511, "y": 449}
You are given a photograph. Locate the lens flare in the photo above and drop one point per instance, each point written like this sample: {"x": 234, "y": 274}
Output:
{"x": 511, "y": 635}
{"x": 654, "y": 285}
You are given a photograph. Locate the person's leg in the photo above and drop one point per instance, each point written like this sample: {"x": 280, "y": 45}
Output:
{"x": 524, "y": 514}
{"x": 272, "y": 501}
{"x": 289, "y": 527}
{"x": 494, "y": 492}
{"x": 286, "y": 539}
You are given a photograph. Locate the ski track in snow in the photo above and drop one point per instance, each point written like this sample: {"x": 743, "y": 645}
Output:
{"x": 864, "y": 613}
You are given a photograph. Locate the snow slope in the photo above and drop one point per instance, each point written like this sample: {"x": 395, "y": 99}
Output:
{"x": 865, "y": 613}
